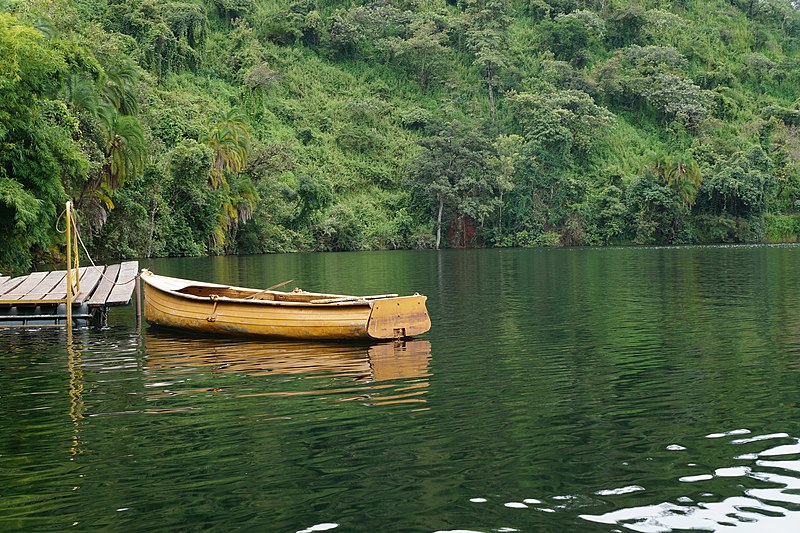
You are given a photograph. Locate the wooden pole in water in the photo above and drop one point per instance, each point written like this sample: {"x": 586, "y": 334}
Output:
{"x": 137, "y": 300}
{"x": 69, "y": 268}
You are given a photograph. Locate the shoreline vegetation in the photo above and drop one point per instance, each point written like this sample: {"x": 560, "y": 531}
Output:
{"x": 208, "y": 127}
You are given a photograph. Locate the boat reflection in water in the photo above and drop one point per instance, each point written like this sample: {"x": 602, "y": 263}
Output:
{"x": 387, "y": 373}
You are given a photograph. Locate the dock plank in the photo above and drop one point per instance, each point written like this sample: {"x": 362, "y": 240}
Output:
{"x": 27, "y": 299}
{"x": 28, "y": 284}
{"x": 100, "y": 295}
{"x": 11, "y": 284}
{"x": 45, "y": 286}
{"x": 126, "y": 281}
{"x": 89, "y": 281}
{"x": 59, "y": 292}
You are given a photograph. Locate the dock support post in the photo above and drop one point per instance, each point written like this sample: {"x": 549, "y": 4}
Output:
{"x": 137, "y": 299}
{"x": 69, "y": 269}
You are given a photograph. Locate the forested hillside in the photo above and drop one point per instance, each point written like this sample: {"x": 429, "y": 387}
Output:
{"x": 248, "y": 126}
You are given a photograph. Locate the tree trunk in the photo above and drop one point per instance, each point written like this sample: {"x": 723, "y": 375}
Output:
{"x": 439, "y": 222}
{"x": 91, "y": 185}
{"x": 151, "y": 227}
{"x": 500, "y": 219}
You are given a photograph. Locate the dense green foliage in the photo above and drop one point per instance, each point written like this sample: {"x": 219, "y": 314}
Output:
{"x": 249, "y": 126}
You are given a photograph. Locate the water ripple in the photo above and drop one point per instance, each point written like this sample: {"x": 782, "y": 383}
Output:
{"x": 581, "y": 384}
{"x": 759, "y": 508}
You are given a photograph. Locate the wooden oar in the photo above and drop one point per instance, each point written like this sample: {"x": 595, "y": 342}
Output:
{"x": 281, "y": 284}
{"x": 351, "y": 299}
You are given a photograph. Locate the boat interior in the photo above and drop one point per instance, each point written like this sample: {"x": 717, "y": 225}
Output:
{"x": 253, "y": 294}
{"x": 296, "y": 296}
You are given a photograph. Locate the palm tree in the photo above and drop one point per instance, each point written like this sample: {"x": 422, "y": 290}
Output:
{"x": 125, "y": 150}
{"x": 119, "y": 88}
{"x": 239, "y": 198}
{"x": 80, "y": 93}
{"x": 681, "y": 174}
{"x": 125, "y": 154}
{"x": 247, "y": 199}
{"x": 229, "y": 139}
{"x": 120, "y": 136}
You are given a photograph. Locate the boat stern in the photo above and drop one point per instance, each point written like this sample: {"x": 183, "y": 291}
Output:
{"x": 395, "y": 318}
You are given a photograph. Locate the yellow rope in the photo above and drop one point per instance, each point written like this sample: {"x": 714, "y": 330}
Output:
{"x": 59, "y": 220}
{"x": 77, "y": 256}
{"x": 102, "y": 274}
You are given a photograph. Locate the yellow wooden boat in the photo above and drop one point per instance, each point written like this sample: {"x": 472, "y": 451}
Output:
{"x": 223, "y": 309}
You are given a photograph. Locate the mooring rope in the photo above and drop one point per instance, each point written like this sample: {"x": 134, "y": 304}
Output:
{"x": 64, "y": 212}
{"x": 80, "y": 240}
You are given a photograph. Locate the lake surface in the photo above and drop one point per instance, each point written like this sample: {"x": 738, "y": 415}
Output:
{"x": 558, "y": 390}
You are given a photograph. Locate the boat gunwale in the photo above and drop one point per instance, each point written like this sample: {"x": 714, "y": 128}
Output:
{"x": 360, "y": 302}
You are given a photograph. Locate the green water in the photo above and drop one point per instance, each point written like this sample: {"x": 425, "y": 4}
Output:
{"x": 558, "y": 390}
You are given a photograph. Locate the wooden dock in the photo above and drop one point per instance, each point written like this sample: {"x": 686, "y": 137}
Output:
{"x": 38, "y": 298}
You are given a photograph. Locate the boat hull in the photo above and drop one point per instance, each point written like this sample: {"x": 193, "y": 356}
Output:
{"x": 382, "y": 319}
